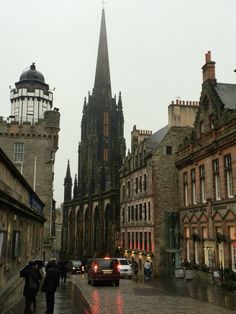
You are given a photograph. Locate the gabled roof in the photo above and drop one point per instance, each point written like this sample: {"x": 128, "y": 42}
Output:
{"x": 227, "y": 94}
{"x": 155, "y": 139}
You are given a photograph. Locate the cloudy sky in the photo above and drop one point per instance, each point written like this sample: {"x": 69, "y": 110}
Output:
{"x": 156, "y": 51}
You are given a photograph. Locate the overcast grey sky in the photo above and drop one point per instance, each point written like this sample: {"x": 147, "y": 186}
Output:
{"x": 156, "y": 51}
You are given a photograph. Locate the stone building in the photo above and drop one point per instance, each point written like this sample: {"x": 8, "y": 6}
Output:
{"x": 29, "y": 137}
{"x": 91, "y": 217}
{"x": 21, "y": 230}
{"x": 149, "y": 192}
{"x": 207, "y": 177}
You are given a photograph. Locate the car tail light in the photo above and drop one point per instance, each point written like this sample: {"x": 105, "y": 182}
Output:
{"x": 95, "y": 268}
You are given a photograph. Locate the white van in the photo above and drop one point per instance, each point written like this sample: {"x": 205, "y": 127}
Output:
{"x": 124, "y": 267}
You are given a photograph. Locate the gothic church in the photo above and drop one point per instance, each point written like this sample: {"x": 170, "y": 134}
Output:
{"x": 91, "y": 215}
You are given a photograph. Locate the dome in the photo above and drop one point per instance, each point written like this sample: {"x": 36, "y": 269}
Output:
{"x": 32, "y": 75}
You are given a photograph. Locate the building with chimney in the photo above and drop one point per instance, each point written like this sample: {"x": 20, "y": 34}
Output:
{"x": 207, "y": 178}
{"x": 149, "y": 217}
{"x": 91, "y": 215}
{"x": 29, "y": 137}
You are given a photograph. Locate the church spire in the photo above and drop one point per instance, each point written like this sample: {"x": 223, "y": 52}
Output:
{"x": 102, "y": 84}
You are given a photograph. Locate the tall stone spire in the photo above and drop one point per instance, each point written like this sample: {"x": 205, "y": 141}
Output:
{"x": 102, "y": 84}
{"x": 67, "y": 184}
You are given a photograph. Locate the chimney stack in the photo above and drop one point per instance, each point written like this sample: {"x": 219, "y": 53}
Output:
{"x": 208, "y": 70}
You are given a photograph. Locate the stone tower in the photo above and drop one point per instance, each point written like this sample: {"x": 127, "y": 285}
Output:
{"x": 29, "y": 136}
{"x": 101, "y": 150}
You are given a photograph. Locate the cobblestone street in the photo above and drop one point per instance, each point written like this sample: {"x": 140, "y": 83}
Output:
{"x": 154, "y": 296}
{"x": 135, "y": 297}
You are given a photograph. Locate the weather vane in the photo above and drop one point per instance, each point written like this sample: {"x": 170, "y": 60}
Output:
{"x": 103, "y": 3}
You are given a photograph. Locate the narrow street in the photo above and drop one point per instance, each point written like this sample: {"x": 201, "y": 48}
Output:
{"x": 151, "y": 297}
{"x": 135, "y": 296}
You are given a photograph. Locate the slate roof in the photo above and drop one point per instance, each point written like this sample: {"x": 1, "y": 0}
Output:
{"x": 155, "y": 139}
{"x": 227, "y": 94}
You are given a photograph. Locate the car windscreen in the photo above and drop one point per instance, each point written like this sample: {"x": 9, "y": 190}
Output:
{"x": 76, "y": 263}
{"x": 124, "y": 262}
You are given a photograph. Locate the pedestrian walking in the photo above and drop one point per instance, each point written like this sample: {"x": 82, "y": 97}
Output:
{"x": 135, "y": 268}
{"x": 51, "y": 282}
{"x": 63, "y": 270}
{"x": 147, "y": 269}
{"x": 32, "y": 278}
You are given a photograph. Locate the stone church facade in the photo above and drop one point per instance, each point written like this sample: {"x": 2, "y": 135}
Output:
{"x": 207, "y": 178}
{"x": 91, "y": 215}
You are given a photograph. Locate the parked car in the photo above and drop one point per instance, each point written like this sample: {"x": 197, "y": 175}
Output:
{"x": 125, "y": 267}
{"x": 76, "y": 267}
{"x": 104, "y": 270}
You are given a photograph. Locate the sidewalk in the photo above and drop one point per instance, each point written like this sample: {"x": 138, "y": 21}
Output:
{"x": 68, "y": 300}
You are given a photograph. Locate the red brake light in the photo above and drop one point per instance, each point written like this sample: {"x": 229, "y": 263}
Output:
{"x": 95, "y": 268}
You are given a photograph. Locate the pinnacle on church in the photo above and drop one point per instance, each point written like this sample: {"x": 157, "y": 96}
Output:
{"x": 68, "y": 174}
{"x": 102, "y": 84}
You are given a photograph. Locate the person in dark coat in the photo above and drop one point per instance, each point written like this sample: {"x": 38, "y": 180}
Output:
{"x": 51, "y": 282}
{"x": 63, "y": 270}
{"x": 32, "y": 280}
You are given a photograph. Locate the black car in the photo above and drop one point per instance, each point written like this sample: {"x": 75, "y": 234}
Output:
{"x": 104, "y": 270}
{"x": 76, "y": 267}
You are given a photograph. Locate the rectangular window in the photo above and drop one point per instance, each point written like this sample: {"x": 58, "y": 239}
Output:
{"x": 123, "y": 192}
{"x": 136, "y": 185}
{"x": 128, "y": 188}
{"x": 132, "y": 240}
{"x": 150, "y": 241}
{"x": 202, "y": 183}
{"x": 216, "y": 181}
{"x": 185, "y": 180}
{"x": 149, "y": 211}
{"x": 204, "y": 233}
{"x": 128, "y": 213}
{"x": 168, "y": 150}
{"x": 132, "y": 213}
{"x": 19, "y": 152}
{"x": 129, "y": 240}
{"x": 193, "y": 186}
{"x": 3, "y": 245}
{"x": 140, "y": 184}
{"x": 105, "y": 124}
{"x": 16, "y": 244}
{"x": 145, "y": 182}
{"x": 145, "y": 211}
{"x": 123, "y": 215}
{"x": 136, "y": 240}
{"x": 140, "y": 159}
{"x": 140, "y": 212}
{"x": 136, "y": 212}
{"x": 145, "y": 241}
{"x": 141, "y": 240}
{"x": 228, "y": 175}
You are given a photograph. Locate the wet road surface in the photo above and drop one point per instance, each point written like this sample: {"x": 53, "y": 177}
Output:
{"x": 148, "y": 297}
{"x": 161, "y": 295}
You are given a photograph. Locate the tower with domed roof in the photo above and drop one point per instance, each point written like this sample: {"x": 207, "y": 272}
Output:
{"x": 29, "y": 137}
